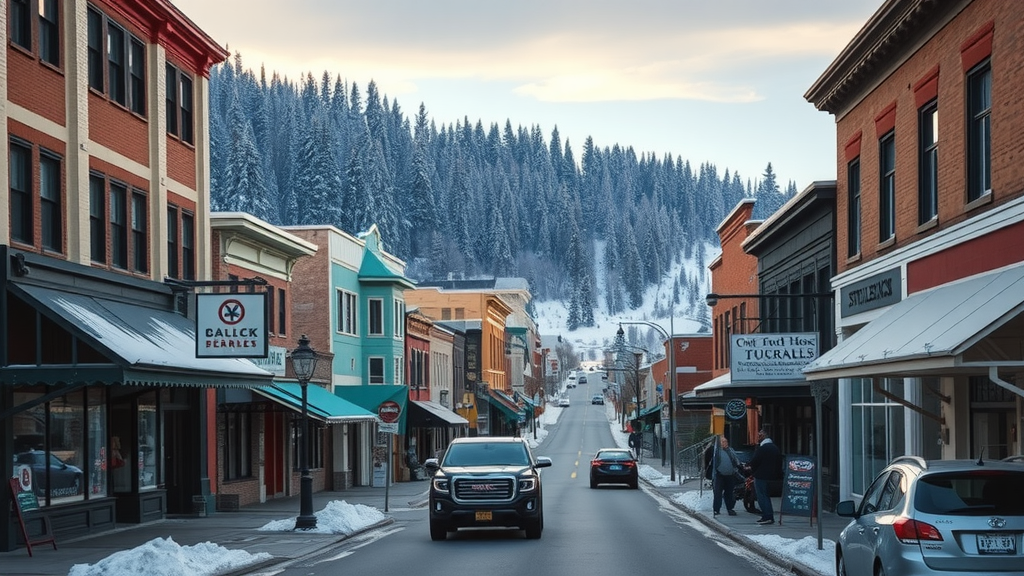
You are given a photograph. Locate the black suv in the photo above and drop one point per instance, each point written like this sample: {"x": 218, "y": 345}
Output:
{"x": 486, "y": 481}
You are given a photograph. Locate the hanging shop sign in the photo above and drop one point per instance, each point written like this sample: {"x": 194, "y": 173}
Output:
{"x": 231, "y": 325}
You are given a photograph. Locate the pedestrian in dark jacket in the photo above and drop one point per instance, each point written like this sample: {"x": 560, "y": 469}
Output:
{"x": 721, "y": 466}
{"x": 764, "y": 466}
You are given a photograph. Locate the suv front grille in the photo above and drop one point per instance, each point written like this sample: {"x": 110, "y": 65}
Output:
{"x": 484, "y": 489}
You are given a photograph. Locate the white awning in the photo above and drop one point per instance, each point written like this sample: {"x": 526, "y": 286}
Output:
{"x": 966, "y": 327}
{"x": 724, "y": 387}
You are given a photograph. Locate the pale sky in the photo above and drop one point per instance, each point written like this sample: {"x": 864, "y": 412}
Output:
{"x": 717, "y": 81}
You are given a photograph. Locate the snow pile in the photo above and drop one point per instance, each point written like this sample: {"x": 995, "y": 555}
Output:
{"x": 164, "y": 557}
{"x": 338, "y": 517}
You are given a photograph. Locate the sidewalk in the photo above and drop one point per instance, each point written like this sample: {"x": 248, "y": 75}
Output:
{"x": 237, "y": 530}
{"x": 743, "y": 528}
{"x": 232, "y": 530}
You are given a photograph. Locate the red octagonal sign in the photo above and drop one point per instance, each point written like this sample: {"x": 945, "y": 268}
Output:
{"x": 389, "y": 411}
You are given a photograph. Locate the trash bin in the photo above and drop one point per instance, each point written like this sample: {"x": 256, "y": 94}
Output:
{"x": 199, "y": 505}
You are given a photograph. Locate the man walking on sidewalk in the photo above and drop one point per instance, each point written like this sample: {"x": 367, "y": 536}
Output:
{"x": 764, "y": 466}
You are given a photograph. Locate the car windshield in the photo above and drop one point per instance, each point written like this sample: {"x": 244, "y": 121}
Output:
{"x": 487, "y": 454}
{"x": 614, "y": 455}
{"x": 971, "y": 493}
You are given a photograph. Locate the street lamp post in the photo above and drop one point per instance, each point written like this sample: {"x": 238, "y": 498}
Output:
{"x": 303, "y": 364}
{"x": 672, "y": 391}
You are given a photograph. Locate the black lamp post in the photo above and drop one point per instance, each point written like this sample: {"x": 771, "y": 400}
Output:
{"x": 303, "y": 364}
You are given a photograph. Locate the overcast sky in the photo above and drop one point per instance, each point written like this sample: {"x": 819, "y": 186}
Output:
{"x": 717, "y": 81}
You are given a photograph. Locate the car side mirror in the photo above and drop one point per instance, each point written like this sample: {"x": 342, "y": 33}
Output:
{"x": 431, "y": 464}
{"x": 543, "y": 461}
{"x": 847, "y": 509}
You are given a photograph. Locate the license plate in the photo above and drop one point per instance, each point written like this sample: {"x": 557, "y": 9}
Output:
{"x": 483, "y": 516}
{"x": 997, "y": 544}
{"x": 615, "y": 467}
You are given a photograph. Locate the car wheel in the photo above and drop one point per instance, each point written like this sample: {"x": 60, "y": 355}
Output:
{"x": 438, "y": 531}
{"x": 879, "y": 570}
{"x": 593, "y": 482}
{"x": 534, "y": 530}
{"x": 634, "y": 483}
{"x": 840, "y": 564}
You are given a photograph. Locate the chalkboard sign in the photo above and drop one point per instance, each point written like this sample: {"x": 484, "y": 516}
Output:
{"x": 27, "y": 501}
{"x": 798, "y": 486}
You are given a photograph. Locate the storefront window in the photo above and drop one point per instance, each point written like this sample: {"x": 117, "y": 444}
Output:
{"x": 147, "y": 441}
{"x": 877, "y": 433}
{"x": 30, "y": 442}
{"x": 97, "y": 417}
{"x": 66, "y": 462}
{"x": 121, "y": 446}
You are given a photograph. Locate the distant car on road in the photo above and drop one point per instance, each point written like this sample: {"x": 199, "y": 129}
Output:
{"x": 583, "y": 380}
{"x": 563, "y": 402}
{"x": 597, "y": 399}
{"x": 614, "y": 466}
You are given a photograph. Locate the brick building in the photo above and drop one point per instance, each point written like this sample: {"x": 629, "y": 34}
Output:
{"x": 930, "y": 222}
{"x": 104, "y": 112}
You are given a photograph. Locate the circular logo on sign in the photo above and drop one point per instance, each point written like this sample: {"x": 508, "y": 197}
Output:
{"x": 24, "y": 475}
{"x": 735, "y": 409}
{"x": 389, "y": 412}
{"x": 231, "y": 312}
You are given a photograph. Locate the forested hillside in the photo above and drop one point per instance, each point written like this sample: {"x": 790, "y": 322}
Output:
{"x": 465, "y": 199}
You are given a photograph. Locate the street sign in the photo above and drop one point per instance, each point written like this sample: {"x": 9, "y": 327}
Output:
{"x": 389, "y": 412}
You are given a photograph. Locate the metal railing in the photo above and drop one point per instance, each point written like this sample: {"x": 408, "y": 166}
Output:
{"x": 690, "y": 461}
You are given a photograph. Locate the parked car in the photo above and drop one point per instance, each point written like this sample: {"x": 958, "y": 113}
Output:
{"x": 485, "y": 481}
{"x": 935, "y": 517}
{"x": 563, "y": 402}
{"x": 597, "y": 399}
{"x": 614, "y": 466}
{"x": 64, "y": 479}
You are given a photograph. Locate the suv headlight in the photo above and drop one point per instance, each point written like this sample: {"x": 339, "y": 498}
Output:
{"x": 528, "y": 484}
{"x": 442, "y": 484}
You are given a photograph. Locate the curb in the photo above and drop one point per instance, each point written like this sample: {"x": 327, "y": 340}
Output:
{"x": 284, "y": 563}
{"x": 789, "y": 564}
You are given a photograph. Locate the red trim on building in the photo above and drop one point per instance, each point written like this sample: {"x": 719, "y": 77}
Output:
{"x": 927, "y": 88}
{"x": 981, "y": 254}
{"x": 853, "y": 146}
{"x": 886, "y": 120}
{"x": 977, "y": 47}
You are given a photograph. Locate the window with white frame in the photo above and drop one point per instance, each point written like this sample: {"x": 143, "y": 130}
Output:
{"x": 399, "y": 319}
{"x": 399, "y": 370}
{"x": 375, "y": 308}
{"x": 376, "y": 370}
{"x": 348, "y": 305}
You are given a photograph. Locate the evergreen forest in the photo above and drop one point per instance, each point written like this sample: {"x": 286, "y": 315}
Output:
{"x": 467, "y": 200}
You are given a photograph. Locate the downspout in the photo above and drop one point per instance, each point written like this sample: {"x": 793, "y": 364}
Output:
{"x": 993, "y": 375}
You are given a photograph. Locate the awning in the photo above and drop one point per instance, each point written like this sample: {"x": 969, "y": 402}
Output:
{"x": 370, "y": 396}
{"x": 320, "y": 403}
{"x": 721, "y": 389}
{"x": 650, "y": 413}
{"x": 146, "y": 346}
{"x": 963, "y": 327}
{"x": 424, "y": 414}
{"x": 505, "y": 405}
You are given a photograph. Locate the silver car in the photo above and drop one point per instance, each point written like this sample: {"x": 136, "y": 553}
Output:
{"x": 944, "y": 517}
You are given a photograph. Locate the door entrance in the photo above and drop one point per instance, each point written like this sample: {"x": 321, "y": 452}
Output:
{"x": 181, "y": 456}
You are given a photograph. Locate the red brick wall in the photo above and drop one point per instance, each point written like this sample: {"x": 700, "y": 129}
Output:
{"x": 310, "y": 314}
{"x": 35, "y": 86}
{"x": 735, "y": 273}
{"x": 116, "y": 128}
{"x": 181, "y": 162}
{"x": 943, "y": 52}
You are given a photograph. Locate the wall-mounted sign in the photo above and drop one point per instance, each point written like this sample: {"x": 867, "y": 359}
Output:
{"x": 781, "y": 356}
{"x": 880, "y": 290}
{"x": 274, "y": 362}
{"x": 736, "y": 409}
{"x": 231, "y": 325}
